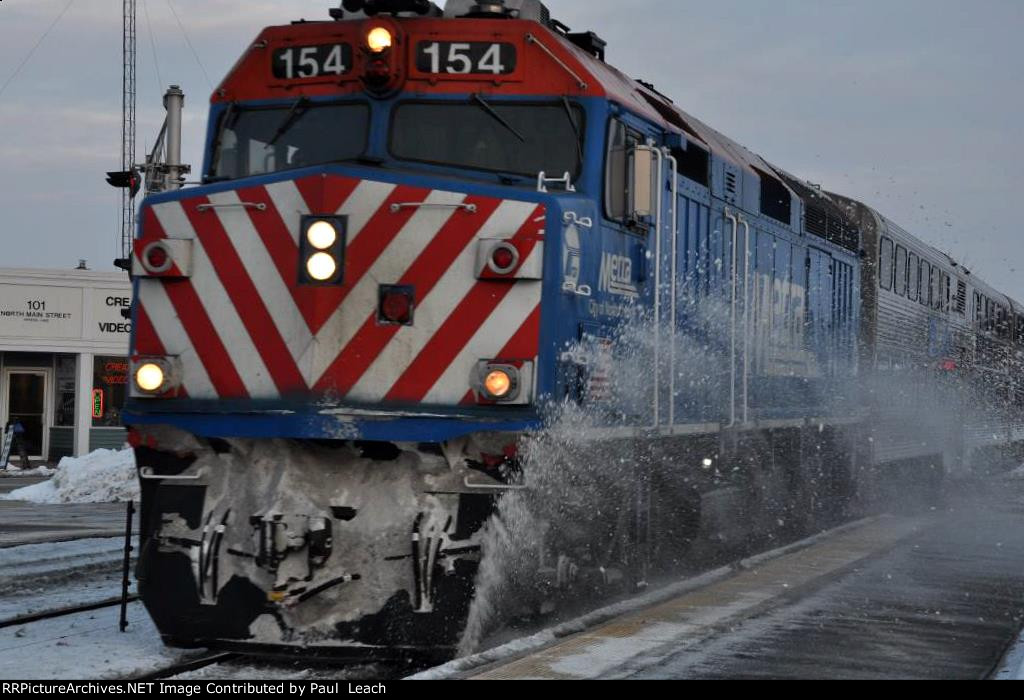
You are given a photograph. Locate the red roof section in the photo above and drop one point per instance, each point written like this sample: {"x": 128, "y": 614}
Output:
{"x": 537, "y": 72}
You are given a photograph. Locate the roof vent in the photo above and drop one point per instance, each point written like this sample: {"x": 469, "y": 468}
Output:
{"x": 491, "y": 9}
{"x": 387, "y": 7}
{"x": 589, "y": 42}
{"x": 523, "y": 9}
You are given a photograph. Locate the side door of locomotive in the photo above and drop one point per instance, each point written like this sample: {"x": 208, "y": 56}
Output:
{"x": 820, "y": 312}
{"x": 636, "y": 282}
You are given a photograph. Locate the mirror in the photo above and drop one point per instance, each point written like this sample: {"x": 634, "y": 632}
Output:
{"x": 641, "y": 181}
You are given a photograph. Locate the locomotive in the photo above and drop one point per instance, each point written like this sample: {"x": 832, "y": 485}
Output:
{"x": 418, "y": 230}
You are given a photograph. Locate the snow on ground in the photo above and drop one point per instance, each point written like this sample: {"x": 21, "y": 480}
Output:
{"x": 104, "y": 476}
{"x": 33, "y": 561}
{"x": 1017, "y": 473}
{"x": 11, "y": 470}
{"x": 87, "y": 646}
{"x": 1012, "y": 668}
{"x": 36, "y": 578}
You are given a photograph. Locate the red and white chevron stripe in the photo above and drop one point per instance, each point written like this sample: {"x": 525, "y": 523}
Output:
{"x": 243, "y": 327}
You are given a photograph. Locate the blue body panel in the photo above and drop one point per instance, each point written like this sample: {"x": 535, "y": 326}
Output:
{"x": 797, "y": 309}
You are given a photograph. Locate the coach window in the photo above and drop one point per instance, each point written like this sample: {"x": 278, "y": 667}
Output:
{"x": 914, "y": 271}
{"x": 901, "y": 271}
{"x": 885, "y": 268}
{"x": 1020, "y": 330}
{"x": 946, "y": 295}
{"x": 936, "y": 288}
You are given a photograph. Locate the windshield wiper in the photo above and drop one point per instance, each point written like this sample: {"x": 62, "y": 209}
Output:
{"x": 575, "y": 127}
{"x": 497, "y": 117}
{"x": 294, "y": 114}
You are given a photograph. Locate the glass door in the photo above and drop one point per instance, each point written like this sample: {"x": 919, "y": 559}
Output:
{"x": 26, "y": 401}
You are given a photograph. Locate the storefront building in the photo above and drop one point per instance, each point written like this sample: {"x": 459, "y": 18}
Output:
{"x": 64, "y": 358}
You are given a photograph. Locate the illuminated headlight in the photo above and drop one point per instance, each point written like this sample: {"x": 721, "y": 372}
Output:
{"x": 321, "y": 267}
{"x": 379, "y": 40}
{"x": 322, "y": 235}
{"x": 150, "y": 377}
{"x": 153, "y": 376}
{"x": 322, "y": 250}
{"x": 500, "y": 383}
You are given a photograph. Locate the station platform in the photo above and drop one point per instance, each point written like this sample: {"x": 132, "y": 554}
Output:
{"x": 936, "y": 596}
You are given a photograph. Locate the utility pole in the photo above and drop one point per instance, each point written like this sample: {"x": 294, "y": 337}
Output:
{"x": 128, "y": 128}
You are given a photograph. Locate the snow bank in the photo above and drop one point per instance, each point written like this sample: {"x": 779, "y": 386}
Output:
{"x": 38, "y": 471}
{"x": 1017, "y": 473}
{"x": 105, "y": 476}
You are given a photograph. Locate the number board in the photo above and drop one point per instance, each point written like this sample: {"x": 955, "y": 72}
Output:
{"x": 301, "y": 62}
{"x": 466, "y": 58}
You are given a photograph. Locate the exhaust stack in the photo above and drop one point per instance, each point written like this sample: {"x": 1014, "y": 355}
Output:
{"x": 164, "y": 169}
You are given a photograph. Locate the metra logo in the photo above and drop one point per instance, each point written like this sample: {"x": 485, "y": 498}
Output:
{"x": 617, "y": 276}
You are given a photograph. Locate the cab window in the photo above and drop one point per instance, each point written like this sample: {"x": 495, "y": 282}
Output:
{"x": 621, "y": 142}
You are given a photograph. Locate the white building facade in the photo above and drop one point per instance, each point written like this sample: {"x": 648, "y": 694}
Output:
{"x": 64, "y": 358}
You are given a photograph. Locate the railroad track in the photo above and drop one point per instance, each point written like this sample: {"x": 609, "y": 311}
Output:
{"x": 187, "y": 665}
{"x": 63, "y": 612}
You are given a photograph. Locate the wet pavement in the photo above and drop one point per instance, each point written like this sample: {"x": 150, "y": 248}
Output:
{"x": 936, "y": 596}
{"x": 31, "y": 523}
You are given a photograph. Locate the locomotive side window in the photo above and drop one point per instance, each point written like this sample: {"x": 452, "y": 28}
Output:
{"x": 885, "y": 264}
{"x": 901, "y": 271}
{"x": 621, "y": 142}
{"x": 514, "y": 138}
{"x": 914, "y": 279}
{"x": 259, "y": 141}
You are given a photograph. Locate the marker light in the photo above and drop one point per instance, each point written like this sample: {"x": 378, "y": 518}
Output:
{"x": 150, "y": 377}
{"x": 157, "y": 257}
{"x": 396, "y": 305}
{"x": 379, "y": 40}
{"x": 322, "y": 235}
{"x": 321, "y": 267}
{"x": 504, "y": 258}
{"x": 498, "y": 384}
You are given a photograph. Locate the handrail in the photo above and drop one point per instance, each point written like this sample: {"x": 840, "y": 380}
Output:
{"x": 657, "y": 281}
{"x": 675, "y": 292}
{"x": 395, "y": 208}
{"x": 580, "y": 82}
{"x": 732, "y": 326}
{"x": 260, "y": 206}
{"x": 148, "y": 474}
{"x": 746, "y": 319}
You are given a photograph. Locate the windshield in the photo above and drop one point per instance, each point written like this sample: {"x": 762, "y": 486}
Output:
{"x": 259, "y": 141}
{"x": 521, "y": 139}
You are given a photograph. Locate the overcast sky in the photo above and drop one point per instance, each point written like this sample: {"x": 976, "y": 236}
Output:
{"x": 913, "y": 106}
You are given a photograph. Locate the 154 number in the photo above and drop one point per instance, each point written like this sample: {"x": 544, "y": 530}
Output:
{"x": 312, "y": 61}
{"x": 465, "y": 58}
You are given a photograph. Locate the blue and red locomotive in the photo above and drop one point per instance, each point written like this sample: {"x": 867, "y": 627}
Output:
{"x": 420, "y": 230}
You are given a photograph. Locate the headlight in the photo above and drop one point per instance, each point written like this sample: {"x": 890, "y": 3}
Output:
{"x": 379, "y": 40}
{"x": 322, "y": 235}
{"x": 150, "y": 377}
{"x": 498, "y": 384}
{"x": 321, "y": 267}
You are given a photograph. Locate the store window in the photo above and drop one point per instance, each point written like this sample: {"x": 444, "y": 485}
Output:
{"x": 110, "y": 381}
{"x": 64, "y": 400}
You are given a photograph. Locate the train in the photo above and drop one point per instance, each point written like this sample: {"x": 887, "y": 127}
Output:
{"x": 420, "y": 233}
